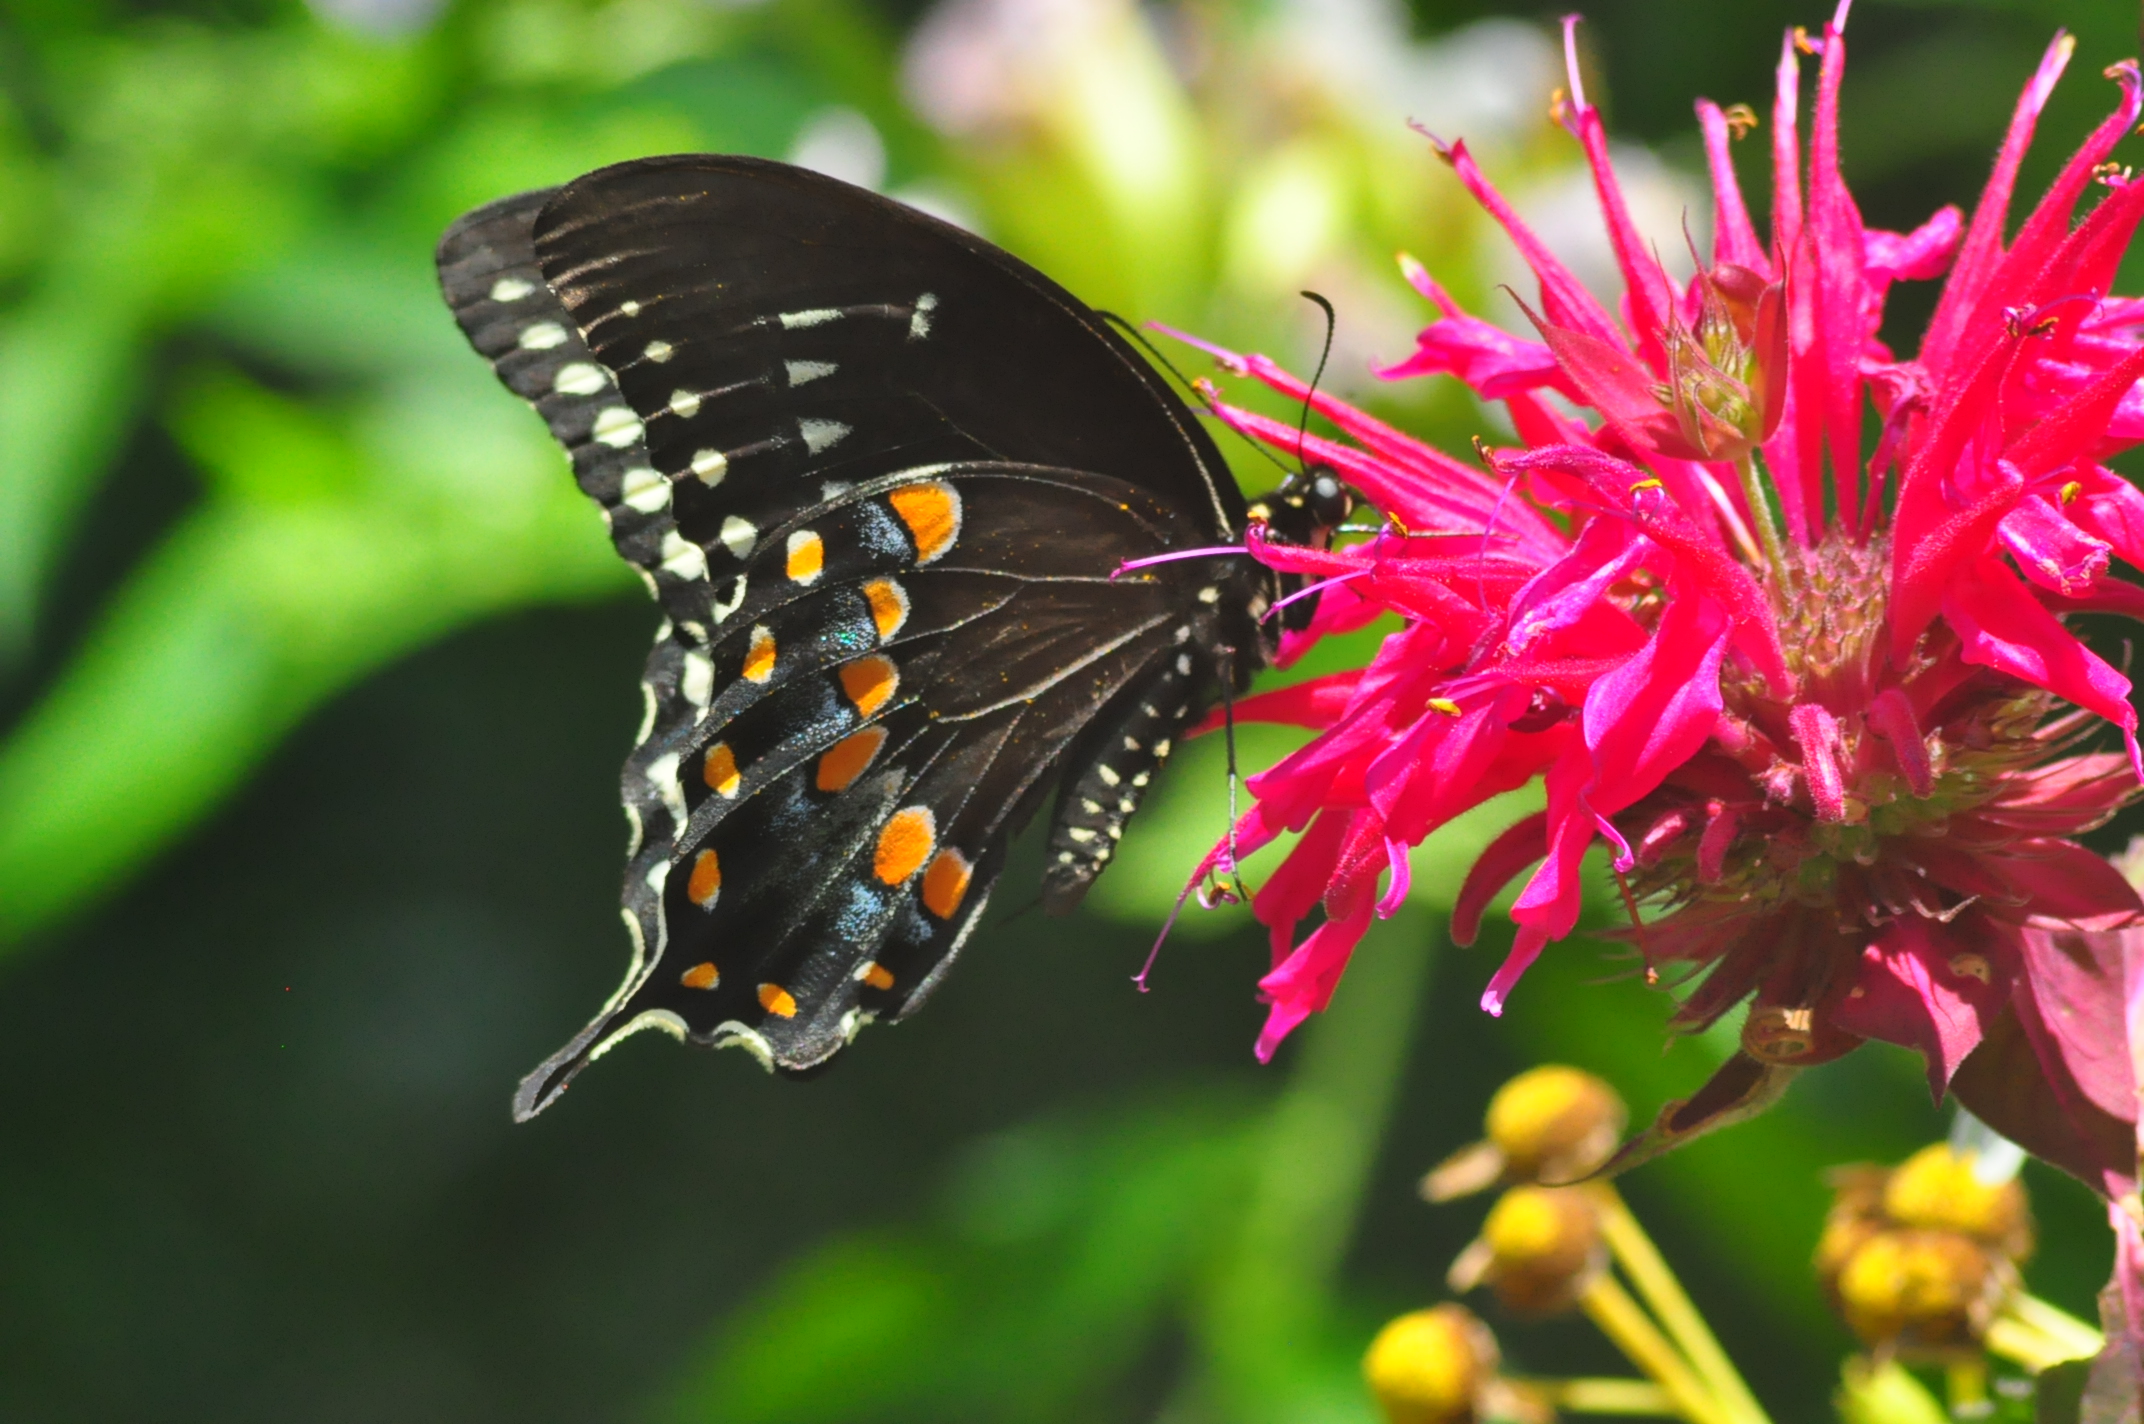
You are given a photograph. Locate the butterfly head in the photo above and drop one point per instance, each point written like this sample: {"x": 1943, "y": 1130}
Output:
{"x": 1307, "y": 507}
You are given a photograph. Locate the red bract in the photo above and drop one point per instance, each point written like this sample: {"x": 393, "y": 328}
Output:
{"x": 1816, "y": 694}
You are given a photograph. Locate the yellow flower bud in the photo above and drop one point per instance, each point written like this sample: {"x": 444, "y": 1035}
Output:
{"x": 1919, "y": 1290}
{"x": 1537, "y": 1250}
{"x": 1935, "y": 1188}
{"x": 1431, "y": 1366}
{"x": 1554, "y": 1124}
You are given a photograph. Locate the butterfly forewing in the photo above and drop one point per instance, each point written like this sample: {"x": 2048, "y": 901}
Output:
{"x": 880, "y": 476}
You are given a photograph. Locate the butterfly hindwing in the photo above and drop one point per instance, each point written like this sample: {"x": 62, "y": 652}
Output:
{"x": 881, "y": 477}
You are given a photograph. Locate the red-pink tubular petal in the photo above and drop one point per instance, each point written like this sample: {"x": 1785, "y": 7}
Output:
{"x": 2001, "y": 625}
{"x": 1547, "y": 908}
{"x": 1921, "y": 255}
{"x": 2050, "y": 550}
{"x": 2017, "y": 1083}
{"x": 1839, "y": 298}
{"x": 1734, "y": 238}
{"x": 2076, "y": 982}
{"x": 1818, "y": 733}
{"x": 1620, "y": 386}
{"x": 1402, "y": 878}
{"x": 1563, "y": 296}
{"x": 2073, "y": 431}
{"x": 1721, "y": 826}
{"x": 1890, "y": 716}
{"x": 1526, "y": 947}
{"x": 1983, "y": 245}
{"x": 1519, "y": 845}
{"x": 1657, "y": 710}
{"x": 1606, "y": 553}
{"x": 1493, "y": 363}
{"x": 1314, "y": 702}
{"x": 1922, "y": 570}
{"x": 2111, "y": 508}
{"x": 1915, "y": 987}
{"x": 2013, "y": 281}
{"x": 1706, "y": 564}
{"x": 1303, "y": 983}
{"x": 2065, "y": 882}
{"x": 1293, "y": 889}
{"x": 1645, "y": 286}
{"x": 1786, "y": 152}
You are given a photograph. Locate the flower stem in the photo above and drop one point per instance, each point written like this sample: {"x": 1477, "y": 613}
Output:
{"x": 2039, "y": 1336}
{"x": 1760, "y": 516}
{"x": 1265, "y": 1315}
{"x": 2057, "y": 1324}
{"x": 1965, "y": 1382}
{"x": 1606, "y": 1396}
{"x": 1610, "y": 1307}
{"x": 1648, "y": 1270}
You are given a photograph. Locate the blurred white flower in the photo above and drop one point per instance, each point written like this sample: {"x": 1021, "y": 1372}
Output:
{"x": 1487, "y": 82}
{"x": 382, "y": 19}
{"x": 841, "y": 143}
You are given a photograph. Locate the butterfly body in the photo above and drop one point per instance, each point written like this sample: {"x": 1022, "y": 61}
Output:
{"x": 881, "y": 478}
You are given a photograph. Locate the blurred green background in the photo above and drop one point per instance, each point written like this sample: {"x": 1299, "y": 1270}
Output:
{"x": 316, "y": 674}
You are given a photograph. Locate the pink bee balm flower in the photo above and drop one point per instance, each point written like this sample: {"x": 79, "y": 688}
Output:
{"x": 1815, "y": 693}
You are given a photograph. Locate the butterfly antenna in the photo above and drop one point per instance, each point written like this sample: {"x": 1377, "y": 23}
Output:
{"x": 1302, "y": 426}
{"x": 1149, "y": 347}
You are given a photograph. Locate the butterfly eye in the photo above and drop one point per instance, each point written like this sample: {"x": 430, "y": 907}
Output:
{"x": 1328, "y": 501}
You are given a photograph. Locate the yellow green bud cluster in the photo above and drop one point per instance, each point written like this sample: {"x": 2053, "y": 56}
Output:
{"x": 1920, "y": 1258}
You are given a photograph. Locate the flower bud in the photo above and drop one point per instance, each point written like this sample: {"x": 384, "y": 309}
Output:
{"x": 1920, "y": 1290}
{"x": 1554, "y": 1124}
{"x": 1537, "y": 1249}
{"x": 1855, "y": 1217}
{"x": 1937, "y": 1188}
{"x": 1431, "y": 1366}
{"x": 1550, "y": 1124}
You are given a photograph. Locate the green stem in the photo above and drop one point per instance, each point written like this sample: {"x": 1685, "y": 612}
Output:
{"x": 1760, "y": 516}
{"x": 1610, "y": 1308}
{"x": 1605, "y": 1396}
{"x": 1648, "y": 1270}
{"x": 1266, "y": 1314}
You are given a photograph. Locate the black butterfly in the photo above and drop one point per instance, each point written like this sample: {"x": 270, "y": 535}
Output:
{"x": 878, "y": 473}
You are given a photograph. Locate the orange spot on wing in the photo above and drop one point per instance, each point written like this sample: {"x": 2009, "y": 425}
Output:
{"x": 904, "y": 844}
{"x": 700, "y": 976}
{"x": 932, "y": 513}
{"x": 889, "y": 606}
{"x": 777, "y": 1001}
{"x": 706, "y": 881}
{"x": 807, "y": 556}
{"x": 759, "y": 657}
{"x": 719, "y": 770}
{"x": 869, "y": 682}
{"x": 878, "y": 976}
{"x": 945, "y": 884}
{"x": 846, "y": 759}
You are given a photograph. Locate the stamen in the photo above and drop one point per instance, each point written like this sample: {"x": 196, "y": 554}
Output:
{"x": 1312, "y": 590}
{"x": 1209, "y": 552}
{"x": 1570, "y": 64}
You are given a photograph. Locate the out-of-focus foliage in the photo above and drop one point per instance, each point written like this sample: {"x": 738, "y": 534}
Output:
{"x": 247, "y": 464}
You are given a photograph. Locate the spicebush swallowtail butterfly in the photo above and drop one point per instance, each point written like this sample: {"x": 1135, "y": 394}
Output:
{"x": 878, "y": 474}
